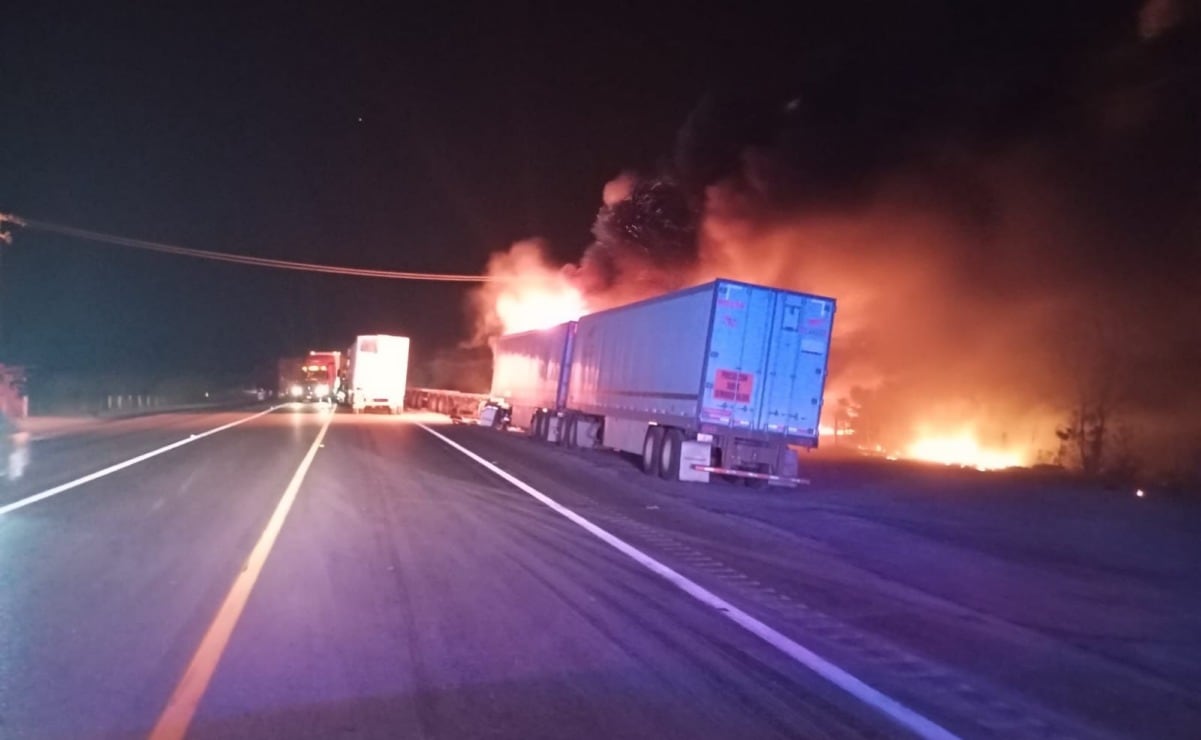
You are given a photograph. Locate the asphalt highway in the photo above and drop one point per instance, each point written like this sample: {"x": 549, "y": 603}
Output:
{"x": 297, "y": 573}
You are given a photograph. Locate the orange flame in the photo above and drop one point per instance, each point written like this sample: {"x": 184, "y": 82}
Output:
{"x": 526, "y": 293}
{"x": 538, "y": 306}
{"x": 962, "y": 448}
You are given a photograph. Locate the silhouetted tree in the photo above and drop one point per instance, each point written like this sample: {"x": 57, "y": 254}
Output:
{"x": 1091, "y": 439}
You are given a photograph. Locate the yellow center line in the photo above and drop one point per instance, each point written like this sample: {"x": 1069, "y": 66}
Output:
{"x": 181, "y": 707}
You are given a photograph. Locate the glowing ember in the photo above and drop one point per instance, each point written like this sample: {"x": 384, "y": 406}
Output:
{"x": 962, "y": 449}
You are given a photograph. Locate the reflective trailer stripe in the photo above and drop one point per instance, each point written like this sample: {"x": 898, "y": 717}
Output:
{"x": 750, "y": 474}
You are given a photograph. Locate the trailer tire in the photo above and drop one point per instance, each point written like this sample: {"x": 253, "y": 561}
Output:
{"x": 541, "y": 425}
{"x": 580, "y": 437}
{"x": 669, "y": 454}
{"x": 567, "y": 432}
{"x": 652, "y": 446}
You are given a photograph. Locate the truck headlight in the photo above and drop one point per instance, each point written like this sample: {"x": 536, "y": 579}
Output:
{"x": 297, "y": 391}
{"x": 322, "y": 389}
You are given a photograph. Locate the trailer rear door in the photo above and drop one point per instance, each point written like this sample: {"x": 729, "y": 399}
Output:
{"x": 796, "y": 365}
{"x": 767, "y": 360}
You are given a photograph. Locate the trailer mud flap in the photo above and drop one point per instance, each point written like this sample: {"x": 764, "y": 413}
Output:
{"x": 694, "y": 457}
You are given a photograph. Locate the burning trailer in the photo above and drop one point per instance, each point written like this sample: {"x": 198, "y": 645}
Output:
{"x": 724, "y": 378}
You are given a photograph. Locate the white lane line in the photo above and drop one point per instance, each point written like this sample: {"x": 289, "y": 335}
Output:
{"x": 181, "y": 707}
{"x": 874, "y": 698}
{"x": 7, "y": 508}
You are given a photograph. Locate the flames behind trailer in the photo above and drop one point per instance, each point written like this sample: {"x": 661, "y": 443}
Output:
{"x": 377, "y": 371}
{"x": 722, "y": 378}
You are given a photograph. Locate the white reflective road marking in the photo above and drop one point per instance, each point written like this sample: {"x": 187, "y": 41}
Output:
{"x": 181, "y": 707}
{"x": 888, "y": 706}
{"x": 122, "y": 465}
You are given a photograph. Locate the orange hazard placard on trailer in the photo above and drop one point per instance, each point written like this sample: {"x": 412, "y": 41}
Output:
{"x": 732, "y": 385}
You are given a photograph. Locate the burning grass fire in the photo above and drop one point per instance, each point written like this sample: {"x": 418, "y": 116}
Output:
{"x": 961, "y": 449}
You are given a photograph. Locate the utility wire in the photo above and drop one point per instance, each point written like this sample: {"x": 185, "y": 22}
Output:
{"x": 242, "y": 259}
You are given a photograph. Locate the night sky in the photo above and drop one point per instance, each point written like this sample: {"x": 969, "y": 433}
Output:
{"x": 426, "y": 140}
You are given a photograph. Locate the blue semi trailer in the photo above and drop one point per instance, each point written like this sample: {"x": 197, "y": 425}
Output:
{"x": 724, "y": 378}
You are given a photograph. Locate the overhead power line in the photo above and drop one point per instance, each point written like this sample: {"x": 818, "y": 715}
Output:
{"x": 242, "y": 259}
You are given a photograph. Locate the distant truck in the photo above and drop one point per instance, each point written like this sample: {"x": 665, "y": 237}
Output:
{"x": 724, "y": 378}
{"x": 311, "y": 378}
{"x": 322, "y": 370}
{"x": 377, "y": 371}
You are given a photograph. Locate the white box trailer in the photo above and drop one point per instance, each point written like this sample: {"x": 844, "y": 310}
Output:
{"x": 377, "y": 369}
{"x": 530, "y": 374}
{"x": 722, "y": 378}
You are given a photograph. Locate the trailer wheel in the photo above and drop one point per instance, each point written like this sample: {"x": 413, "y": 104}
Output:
{"x": 535, "y": 424}
{"x": 579, "y": 434}
{"x": 652, "y": 446}
{"x": 542, "y": 426}
{"x": 567, "y": 432}
{"x": 561, "y": 440}
{"x": 669, "y": 454}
